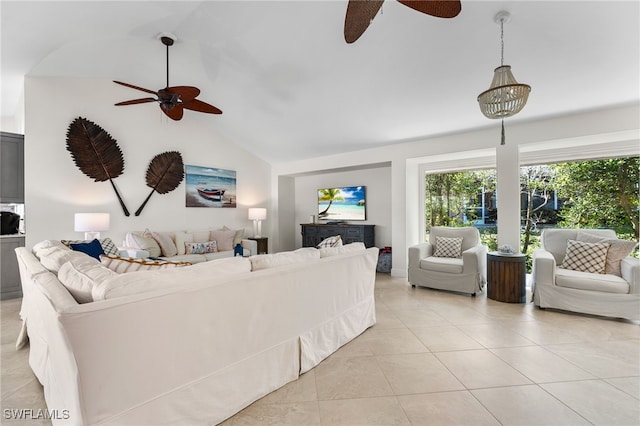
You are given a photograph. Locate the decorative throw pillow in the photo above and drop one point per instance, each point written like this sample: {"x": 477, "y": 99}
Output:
{"x": 448, "y": 247}
{"x": 201, "y": 248}
{"x": 585, "y": 257}
{"x": 335, "y": 241}
{"x": 167, "y": 246}
{"x": 143, "y": 241}
{"x": 223, "y": 238}
{"x": 618, "y": 250}
{"x": 122, "y": 264}
{"x": 107, "y": 244}
{"x": 93, "y": 248}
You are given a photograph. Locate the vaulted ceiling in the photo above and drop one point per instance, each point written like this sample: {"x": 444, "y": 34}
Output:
{"x": 291, "y": 87}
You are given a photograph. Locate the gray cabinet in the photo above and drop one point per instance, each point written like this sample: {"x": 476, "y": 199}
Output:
{"x": 10, "y": 287}
{"x": 314, "y": 233}
{"x": 12, "y": 168}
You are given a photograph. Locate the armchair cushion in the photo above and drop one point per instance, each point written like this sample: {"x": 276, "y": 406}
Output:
{"x": 585, "y": 257}
{"x": 588, "y": 281}
{"x": 442, "y": 264}
{"x": 448, "y": 247}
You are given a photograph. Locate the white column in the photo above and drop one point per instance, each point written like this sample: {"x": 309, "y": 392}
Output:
{"x": 508, "y": 194}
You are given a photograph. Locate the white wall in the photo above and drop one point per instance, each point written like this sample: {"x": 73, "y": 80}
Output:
{"x": 55, "y": 188}
{"x": 378, "y": 192}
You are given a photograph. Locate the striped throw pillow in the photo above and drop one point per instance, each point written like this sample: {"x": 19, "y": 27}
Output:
{"x": 122, "y": 264}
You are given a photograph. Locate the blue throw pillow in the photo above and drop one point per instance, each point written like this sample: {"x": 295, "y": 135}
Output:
{"x": 93, "y": 248}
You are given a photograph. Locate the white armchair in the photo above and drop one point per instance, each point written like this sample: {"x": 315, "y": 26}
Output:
{"x": 615, "y": 293}
{"x": 466, "y": 272}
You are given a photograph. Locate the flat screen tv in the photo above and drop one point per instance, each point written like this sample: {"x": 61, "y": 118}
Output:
{"x": 342, "y": 203}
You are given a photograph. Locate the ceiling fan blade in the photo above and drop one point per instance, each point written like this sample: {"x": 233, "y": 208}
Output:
{"x": 359, "y": 15}
{"x": 196, "y": 105}
{"x": 187, "y": 93}
{"x": 137, "y": 101}
{"x": 439, "y": 9}
{"x": 135, "y": 87}
{"x": 174, "y": 113}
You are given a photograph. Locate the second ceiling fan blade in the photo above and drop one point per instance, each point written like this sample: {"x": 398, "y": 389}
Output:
{"x": 439, "y": 9}
{"x": 187, "y": 93}
{"x": 135, "y": 87}
{"x": 137, "y": 101}
{"x": 196, "y": 105}
{"x": 359, "y": 15}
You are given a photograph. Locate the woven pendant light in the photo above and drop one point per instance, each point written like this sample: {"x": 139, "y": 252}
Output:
{"x": 505, "y": 97}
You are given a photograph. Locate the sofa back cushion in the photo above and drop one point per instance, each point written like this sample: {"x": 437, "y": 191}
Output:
{"x": 81, "y": 275}
{"x": 555, "y": 240}
{"x": 347, "y": 248}
{"x": 53, "y": 257}
{"x": 470, "y": 235}
{"x": 265, "y": 261}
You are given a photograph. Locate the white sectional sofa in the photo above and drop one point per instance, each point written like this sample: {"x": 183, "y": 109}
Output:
{"x": 187, "y": 345}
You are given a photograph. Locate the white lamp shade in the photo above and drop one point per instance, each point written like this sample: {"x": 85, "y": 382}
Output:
{"x": 257, "y": 213}
{"x": 91, "y": 222}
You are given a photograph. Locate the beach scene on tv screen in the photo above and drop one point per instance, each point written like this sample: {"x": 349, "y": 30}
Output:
{"x": 342, "y": 203}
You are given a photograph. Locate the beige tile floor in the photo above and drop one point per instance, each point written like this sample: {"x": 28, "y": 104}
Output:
{"x": 435, "y": 358}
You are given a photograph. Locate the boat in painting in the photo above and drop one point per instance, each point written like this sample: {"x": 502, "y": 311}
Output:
{"x": 211, "y": 194}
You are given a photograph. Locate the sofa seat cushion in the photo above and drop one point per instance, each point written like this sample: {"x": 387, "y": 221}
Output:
{"x": 218, "y": 255}
{"x": 442, "y": 264}
{"x": 123, "y": 265}
{"x": 192, "y": 258}
{"x": 201, "y": 274}
{"x": 606, "y": 283}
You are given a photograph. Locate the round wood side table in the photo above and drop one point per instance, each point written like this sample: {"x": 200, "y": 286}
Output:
{"x": 506, "y": 277}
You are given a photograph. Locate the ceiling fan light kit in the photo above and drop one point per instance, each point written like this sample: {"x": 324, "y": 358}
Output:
{"x": 505, "y": 97}
{"x": 172, "y": 100}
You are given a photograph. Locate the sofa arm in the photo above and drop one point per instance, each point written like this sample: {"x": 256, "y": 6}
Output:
{"x": 544, "y": 268}
{"x": 251, "y": 246}
{"x": 474, "y": 260}
{"x": 418, "y": 252}
{"x": 630, "y": 271}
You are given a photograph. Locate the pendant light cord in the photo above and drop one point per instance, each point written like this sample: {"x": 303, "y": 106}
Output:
{"x": 502, "y": 42}
{"x": 502, "y": 137}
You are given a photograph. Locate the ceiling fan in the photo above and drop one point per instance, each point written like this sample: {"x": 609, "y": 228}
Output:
{"x": 360, "y": 13}
{"x": 173, "y": 100}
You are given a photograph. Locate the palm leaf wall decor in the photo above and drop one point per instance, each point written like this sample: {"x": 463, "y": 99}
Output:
{"x": 164, "y": 174}
{"x": 95, "y": 153}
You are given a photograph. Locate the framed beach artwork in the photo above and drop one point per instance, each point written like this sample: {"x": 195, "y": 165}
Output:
{"x": 210, "y": 187}
{"x": 342, "y": 203}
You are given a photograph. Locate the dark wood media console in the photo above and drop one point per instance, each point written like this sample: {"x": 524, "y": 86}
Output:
{"x": 314, "y": 233}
